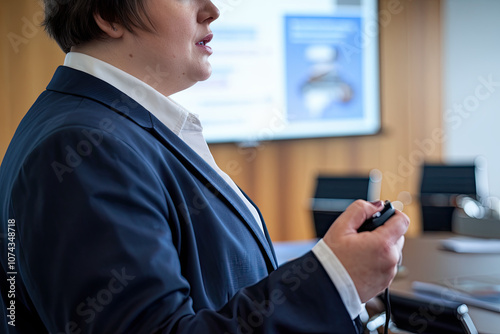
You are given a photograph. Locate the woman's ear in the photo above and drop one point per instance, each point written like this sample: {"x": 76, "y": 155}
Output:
{"x": 113, "y": 30}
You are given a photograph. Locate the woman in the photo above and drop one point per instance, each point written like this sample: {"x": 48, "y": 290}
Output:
{"x": 124, "y": 222}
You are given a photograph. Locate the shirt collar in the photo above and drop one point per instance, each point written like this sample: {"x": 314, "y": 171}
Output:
{"x": 174, "y": 116}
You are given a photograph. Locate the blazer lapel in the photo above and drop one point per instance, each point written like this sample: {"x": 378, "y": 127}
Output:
{"x": 71, "y": 81}
{"x": 216, "y": 184}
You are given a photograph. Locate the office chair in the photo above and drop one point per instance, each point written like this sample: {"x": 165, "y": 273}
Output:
{"x": 429, "y": 315}
{"x": 333, "y": 194}
{"x": 440, "y": 186}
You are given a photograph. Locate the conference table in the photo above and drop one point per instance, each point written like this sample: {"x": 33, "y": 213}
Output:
{"x": 425, "y": 260}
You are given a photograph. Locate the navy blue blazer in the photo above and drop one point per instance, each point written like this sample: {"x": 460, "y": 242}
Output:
{"x": 117, "y": 226}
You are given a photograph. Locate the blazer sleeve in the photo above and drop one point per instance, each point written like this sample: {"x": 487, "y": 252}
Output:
{"x": 97, "y": 253}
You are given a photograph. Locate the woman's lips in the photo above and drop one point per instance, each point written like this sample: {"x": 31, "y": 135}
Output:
{"x": 203, "y": 43}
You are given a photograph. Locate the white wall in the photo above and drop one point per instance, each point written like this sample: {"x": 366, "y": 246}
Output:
{"x": 471, "y": 79}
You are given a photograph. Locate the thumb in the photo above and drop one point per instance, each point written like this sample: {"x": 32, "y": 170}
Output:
{"x": 358, "y": 212}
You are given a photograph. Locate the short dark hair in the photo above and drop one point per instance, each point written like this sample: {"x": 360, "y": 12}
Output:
{"x": 71, "y": 22}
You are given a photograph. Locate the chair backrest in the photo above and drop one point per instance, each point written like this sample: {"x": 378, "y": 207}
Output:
{"x": 440, "y": 186}
{"x": 448, "y": 179}
{"x": 334, "y": 193}
{"x": 419, "y": 314}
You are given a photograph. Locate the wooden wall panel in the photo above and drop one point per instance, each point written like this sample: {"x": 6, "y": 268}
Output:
{"x": 28, "y": 60}
{"x": 5, "y": 112}
{"x": 279, "y": 175}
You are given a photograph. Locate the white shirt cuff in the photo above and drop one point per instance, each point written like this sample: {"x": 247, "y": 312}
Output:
{"x": 340, "y": 278}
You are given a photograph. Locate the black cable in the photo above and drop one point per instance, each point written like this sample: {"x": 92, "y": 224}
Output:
{"x": 387, "y": 304}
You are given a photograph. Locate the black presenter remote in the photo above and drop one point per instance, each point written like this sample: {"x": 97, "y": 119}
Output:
{"x": 378, "y": 218}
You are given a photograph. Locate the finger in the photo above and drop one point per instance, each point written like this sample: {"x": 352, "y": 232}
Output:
{"x": 399, "y": 245}
{"x": 355, "y": 215}
{"x": 395, "y": 227}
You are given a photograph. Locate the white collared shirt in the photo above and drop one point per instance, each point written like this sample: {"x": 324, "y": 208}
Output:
{"x": 188, "y": 127}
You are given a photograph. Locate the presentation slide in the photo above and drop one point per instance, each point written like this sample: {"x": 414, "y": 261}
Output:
{"x": 285, "y": 69}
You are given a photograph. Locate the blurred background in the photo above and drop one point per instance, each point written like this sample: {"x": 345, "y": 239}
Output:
{"x": 439, "y": 103}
